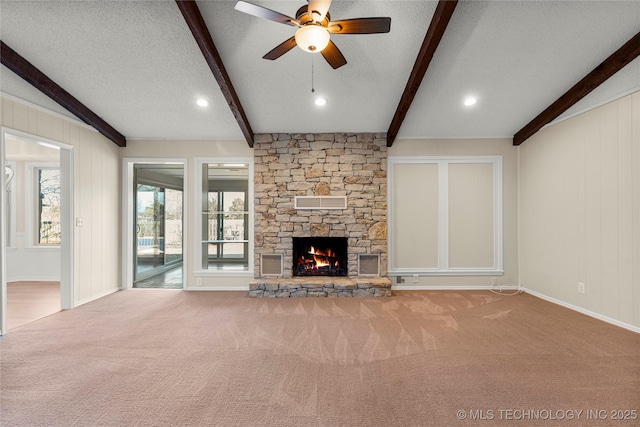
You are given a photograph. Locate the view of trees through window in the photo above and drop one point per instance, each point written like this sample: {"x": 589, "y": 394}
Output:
{"x": 49, "y": 207}
{"x": 159, "y": 222}
{"x": 233, "y": 228}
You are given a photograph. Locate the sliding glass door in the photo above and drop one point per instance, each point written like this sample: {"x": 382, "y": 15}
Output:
{"x": 158, "y": 221}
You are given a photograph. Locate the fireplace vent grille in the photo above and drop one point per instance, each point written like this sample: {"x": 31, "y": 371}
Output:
{"x": 271, "y": 265}
{"x": 321, "y": 202}
{"x": 368, "y": 265}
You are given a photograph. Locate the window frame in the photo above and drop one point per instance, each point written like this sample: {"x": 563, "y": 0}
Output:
{"x": 199, "y": 271}
{"x": 31, "y": 199}
{"x": 443, "y": 268}
{"x": 11, "y": 213}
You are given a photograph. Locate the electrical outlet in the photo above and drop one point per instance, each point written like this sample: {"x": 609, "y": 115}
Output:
{"x": 494, "y": 281}
{"x": 79, "y": 222}
{"x": 416, "y": 278}
{"x": 581, "y": 288}
{"x": 199, "y": 281}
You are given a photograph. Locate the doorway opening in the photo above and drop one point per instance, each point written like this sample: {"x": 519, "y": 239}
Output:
{"x": 36, "y": 228}
{"x": 155, "y": 222}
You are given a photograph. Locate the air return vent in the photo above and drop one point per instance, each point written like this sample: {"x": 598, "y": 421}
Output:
{"x": 321, "y": 202}
{"x": 271, "y": 265}
{"x": 368, "y": 265}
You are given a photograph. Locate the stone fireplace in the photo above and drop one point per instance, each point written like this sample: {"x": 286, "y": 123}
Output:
{"x": 352, "y": 167}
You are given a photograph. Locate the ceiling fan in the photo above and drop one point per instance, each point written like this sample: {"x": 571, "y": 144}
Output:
{"x": 315, "y": 28}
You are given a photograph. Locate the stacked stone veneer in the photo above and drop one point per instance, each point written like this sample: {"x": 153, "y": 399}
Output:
{"x": 330, "y": 287}
{"x": 340, "y": 164}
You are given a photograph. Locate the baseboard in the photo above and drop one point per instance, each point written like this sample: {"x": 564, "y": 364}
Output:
{"x": 583, "y": 311}
{"x": 454, "y": 288}
{"x": 33, "y": 279}
{"x": 95, "y": 297}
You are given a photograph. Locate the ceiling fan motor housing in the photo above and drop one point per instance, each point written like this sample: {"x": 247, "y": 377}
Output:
{"x": 304, "y": 17}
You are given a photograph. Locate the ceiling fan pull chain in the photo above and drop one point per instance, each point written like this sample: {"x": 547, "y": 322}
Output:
{"x": 312, "y": 88}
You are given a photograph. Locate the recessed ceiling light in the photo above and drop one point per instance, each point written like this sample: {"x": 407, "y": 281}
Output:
{"x": 320, "y": 101}
{"x": 202, "y": 102}
{"x": 469, "y": 101}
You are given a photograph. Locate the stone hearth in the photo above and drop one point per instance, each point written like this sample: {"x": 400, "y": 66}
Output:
{"x": 330, "y": 287}
{"x": 340, "y": 164}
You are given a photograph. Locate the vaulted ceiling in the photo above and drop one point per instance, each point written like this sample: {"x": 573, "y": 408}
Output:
{"x": 137, "y": 65}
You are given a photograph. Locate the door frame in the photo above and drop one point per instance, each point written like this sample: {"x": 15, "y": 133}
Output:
{"x": 67, "y": 209}
{"x": 128, "y": 207}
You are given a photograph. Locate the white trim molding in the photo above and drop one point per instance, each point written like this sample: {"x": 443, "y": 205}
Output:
{"x": 443, "y": 267}
{"x": 198, "y": 270}
{"x": 127, "y": 213}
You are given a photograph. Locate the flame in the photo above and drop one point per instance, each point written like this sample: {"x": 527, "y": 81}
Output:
{"x": 320, "y": 262}
{"x": 320, "y": 257}
{"x": 327, "y": 253}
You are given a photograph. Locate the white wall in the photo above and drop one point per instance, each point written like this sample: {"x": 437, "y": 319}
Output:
{"x": 96, "y": 195}
{"x": 190, "y": 150}
{"x": 29, "y": 263}
{"x": 477, "y": 147}
{"x": 579, "y": 211}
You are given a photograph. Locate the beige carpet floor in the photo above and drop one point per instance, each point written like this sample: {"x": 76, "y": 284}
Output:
{"x": 29, "y": 301}
{"x": 430, "y": 358}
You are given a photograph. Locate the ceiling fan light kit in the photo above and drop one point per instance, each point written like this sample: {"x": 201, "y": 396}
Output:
{"x": 315, "y": 28}
{"x": 312, "y": 38}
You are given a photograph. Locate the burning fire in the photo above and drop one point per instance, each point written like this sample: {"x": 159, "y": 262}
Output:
{"x": 321, "y": 257}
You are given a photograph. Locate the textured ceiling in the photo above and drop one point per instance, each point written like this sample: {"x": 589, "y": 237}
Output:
{"x": 136, "y": 64}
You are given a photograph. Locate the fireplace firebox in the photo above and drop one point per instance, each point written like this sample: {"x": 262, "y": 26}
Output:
{"x": 319, "y": 256}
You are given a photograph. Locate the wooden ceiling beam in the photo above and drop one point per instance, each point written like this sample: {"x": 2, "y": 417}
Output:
{"x": 614, "y": 63}
{"x": 192, "y": 15}
{"x": 439, "y": 22}
{"x": 27, "y": 71}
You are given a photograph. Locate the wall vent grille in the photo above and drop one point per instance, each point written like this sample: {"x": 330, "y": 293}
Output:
{"x": 271, "y": 265}
{"x": 368, "y": 265}
{"x": 321, "y": 202}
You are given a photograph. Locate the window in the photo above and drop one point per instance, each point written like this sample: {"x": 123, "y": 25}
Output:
{"x": 47, "y": 206}
{"x": 225, "y": 217}
{"x": 445, "y": 215}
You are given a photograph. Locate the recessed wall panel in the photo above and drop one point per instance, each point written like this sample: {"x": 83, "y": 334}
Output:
{"x": 471, "y": 215}
{"x": 415, "y": 213}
